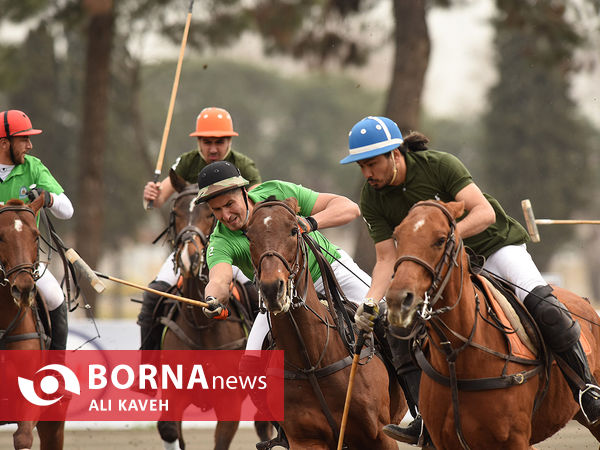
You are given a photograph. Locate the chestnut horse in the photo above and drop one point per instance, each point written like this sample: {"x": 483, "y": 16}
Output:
{"x": 316, "y": 360}
{"x": 19, "y": 324}
{"x": 186, "y": 327}
{"x": 484, "y": 396}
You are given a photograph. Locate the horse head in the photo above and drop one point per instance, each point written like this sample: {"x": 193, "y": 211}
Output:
{"x": 275, "y": 250}
{"x": 19, "y": 238}
{"x": 426, "y": 250}
{"x": 191, "y": 226}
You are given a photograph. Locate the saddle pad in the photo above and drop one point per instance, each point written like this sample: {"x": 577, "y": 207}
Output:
{"x": 520, "y": 342}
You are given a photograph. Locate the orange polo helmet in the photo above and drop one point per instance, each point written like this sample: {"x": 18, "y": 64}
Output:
{"x": 214, "y": 122}
{"x": 16, "y": 123}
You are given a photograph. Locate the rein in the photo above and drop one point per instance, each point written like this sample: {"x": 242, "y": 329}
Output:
{"x": 310, "y": 372}
{"x": 32, "y": 269}
{"x": 449, "y": 261}
{"x": 29, "y": 268}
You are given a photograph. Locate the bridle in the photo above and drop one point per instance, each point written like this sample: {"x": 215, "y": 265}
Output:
{"x": 188, "y": 233}
{"x": 299, "y": 265}
{"x": 446, "y": 264}
{"x": 32, "y": 269}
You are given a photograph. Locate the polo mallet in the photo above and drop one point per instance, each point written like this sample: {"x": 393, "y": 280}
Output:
{"x": 360, "y": 342}
{"x": 163, "y": 143}
{"x": 92, "y": 276}
{"x": 532, "y": 222}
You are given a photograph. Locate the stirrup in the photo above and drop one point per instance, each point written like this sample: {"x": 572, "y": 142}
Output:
{"x": 279, "y": 440}
{"x": 593, "y": 390}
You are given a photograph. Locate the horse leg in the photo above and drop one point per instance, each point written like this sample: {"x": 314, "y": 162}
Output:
{"x": 224, "y": 433}
{"x": 594, "y": 429}
{"x": 264, "y": 430}
{"x": 169, "y": 434}
{"x": 23, "y": 437}
{"x": 52, "y": 435}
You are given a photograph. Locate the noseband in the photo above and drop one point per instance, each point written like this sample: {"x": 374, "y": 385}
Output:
{"x": 296, "y": 268}
{"x": 30, "y": 269}
{"x": 448, "y": 259}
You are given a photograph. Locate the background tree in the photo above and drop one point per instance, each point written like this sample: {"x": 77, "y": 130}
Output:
{"x": 536, "y": 144}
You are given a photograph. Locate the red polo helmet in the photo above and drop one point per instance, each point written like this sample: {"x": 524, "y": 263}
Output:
{"x": 16, "y": 123}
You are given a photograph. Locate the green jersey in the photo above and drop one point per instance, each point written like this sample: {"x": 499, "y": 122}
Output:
{"x": 189, "y": 165}
{"x": 433, "y": 175}
{"x": 32, "y": 171}
{"x": 232, "y": 247}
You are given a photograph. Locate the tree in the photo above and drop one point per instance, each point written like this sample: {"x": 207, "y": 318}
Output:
{"x": 536, "y": 146}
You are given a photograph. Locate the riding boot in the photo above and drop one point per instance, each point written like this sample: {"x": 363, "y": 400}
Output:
{"x": 588, "y": 396}
{"x": 415, "y": 433}
{"x": 409, "y": 377}
{"x": 58, "y": 324}
{"x": 561, "y": 333}
{"x": 150, "y": 334}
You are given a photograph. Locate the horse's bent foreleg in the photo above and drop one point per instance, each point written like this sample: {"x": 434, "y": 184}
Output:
{"x": 23, "y": 437}
{"x": 224, "y": 433}
{"x": 52, "y": 435}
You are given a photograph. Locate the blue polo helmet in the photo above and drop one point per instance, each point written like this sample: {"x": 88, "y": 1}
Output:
{"x": 372, "y": 136}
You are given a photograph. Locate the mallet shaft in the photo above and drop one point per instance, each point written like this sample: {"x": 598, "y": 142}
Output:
{"x": 566, "y": 222}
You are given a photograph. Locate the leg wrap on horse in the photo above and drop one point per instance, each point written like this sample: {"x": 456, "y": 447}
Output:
{"x": 60, "y": 330}
{"x": 558, "y": 328}
{"x": 150, "y": 335}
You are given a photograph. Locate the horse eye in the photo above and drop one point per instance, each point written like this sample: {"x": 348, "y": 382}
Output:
{"x": 440, "y": 242}
{"x": 294, "y": 231}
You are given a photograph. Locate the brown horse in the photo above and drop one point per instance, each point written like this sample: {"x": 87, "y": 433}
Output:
{"x": 484, "y": 396}
{"x": 317, "y": 362}
{"x": 19, "y": 237}
{"x": 186, "y": 327}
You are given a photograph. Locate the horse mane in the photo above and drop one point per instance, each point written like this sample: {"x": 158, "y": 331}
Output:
{"x": 415, "y": 142}
{"x": 14, "y": 201}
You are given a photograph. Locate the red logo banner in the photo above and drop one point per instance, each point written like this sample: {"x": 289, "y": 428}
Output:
{"x": 130, "y": 385}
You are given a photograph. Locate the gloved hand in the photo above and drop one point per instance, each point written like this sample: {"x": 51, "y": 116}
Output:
{"x": 307, "y": 224}
{"x": 366, "y": 315}
{"x": 215, "y": 310}
{"x": 35, "y": 191}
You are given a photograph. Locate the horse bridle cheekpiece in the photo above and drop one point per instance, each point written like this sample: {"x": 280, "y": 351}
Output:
{"x": 31, "y": 269}
{"x": 293, "y": 269}
{"x": 188, "y": 232}
{"x": 448, "y": 259}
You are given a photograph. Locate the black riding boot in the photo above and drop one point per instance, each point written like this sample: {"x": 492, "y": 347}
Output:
{"x": 60, "y": 330}
{"x": 150, "y": 334}
{"x": 409, "y": 377}
{"x": 561, "y": 333}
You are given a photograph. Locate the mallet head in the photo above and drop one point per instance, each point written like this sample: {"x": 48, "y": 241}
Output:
{"x": 532, "y": 228}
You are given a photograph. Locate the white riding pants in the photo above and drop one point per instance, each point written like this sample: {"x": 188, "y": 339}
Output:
{"x": 168, "y": 274}
{"x": 514, "y": 264}
{"x": 49, "y": 289}
{"x": 354, "y": 288}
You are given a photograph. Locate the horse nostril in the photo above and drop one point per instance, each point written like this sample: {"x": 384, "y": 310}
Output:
{"x": 281, "y": 286}
{"x": 409, "y": 298}
{"x": 15, "y": 292}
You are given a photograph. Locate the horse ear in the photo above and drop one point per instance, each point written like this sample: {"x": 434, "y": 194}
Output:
{"x": 179, "y": 184}
{"x": 38, "y": 202}
{"x": 293, "y": 203}
{"x": 456, "y": 208}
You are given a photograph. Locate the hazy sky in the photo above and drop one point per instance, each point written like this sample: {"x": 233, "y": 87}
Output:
{"x": 461, "y": 68}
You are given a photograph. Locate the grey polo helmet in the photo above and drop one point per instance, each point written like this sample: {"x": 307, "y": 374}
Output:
{"x": 217, "y": 178}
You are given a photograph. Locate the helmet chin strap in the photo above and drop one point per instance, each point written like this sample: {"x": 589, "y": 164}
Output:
{"x": 245, "y": 194}
{"x": 11, "y": 152}
{"x": 395, "y": 170}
